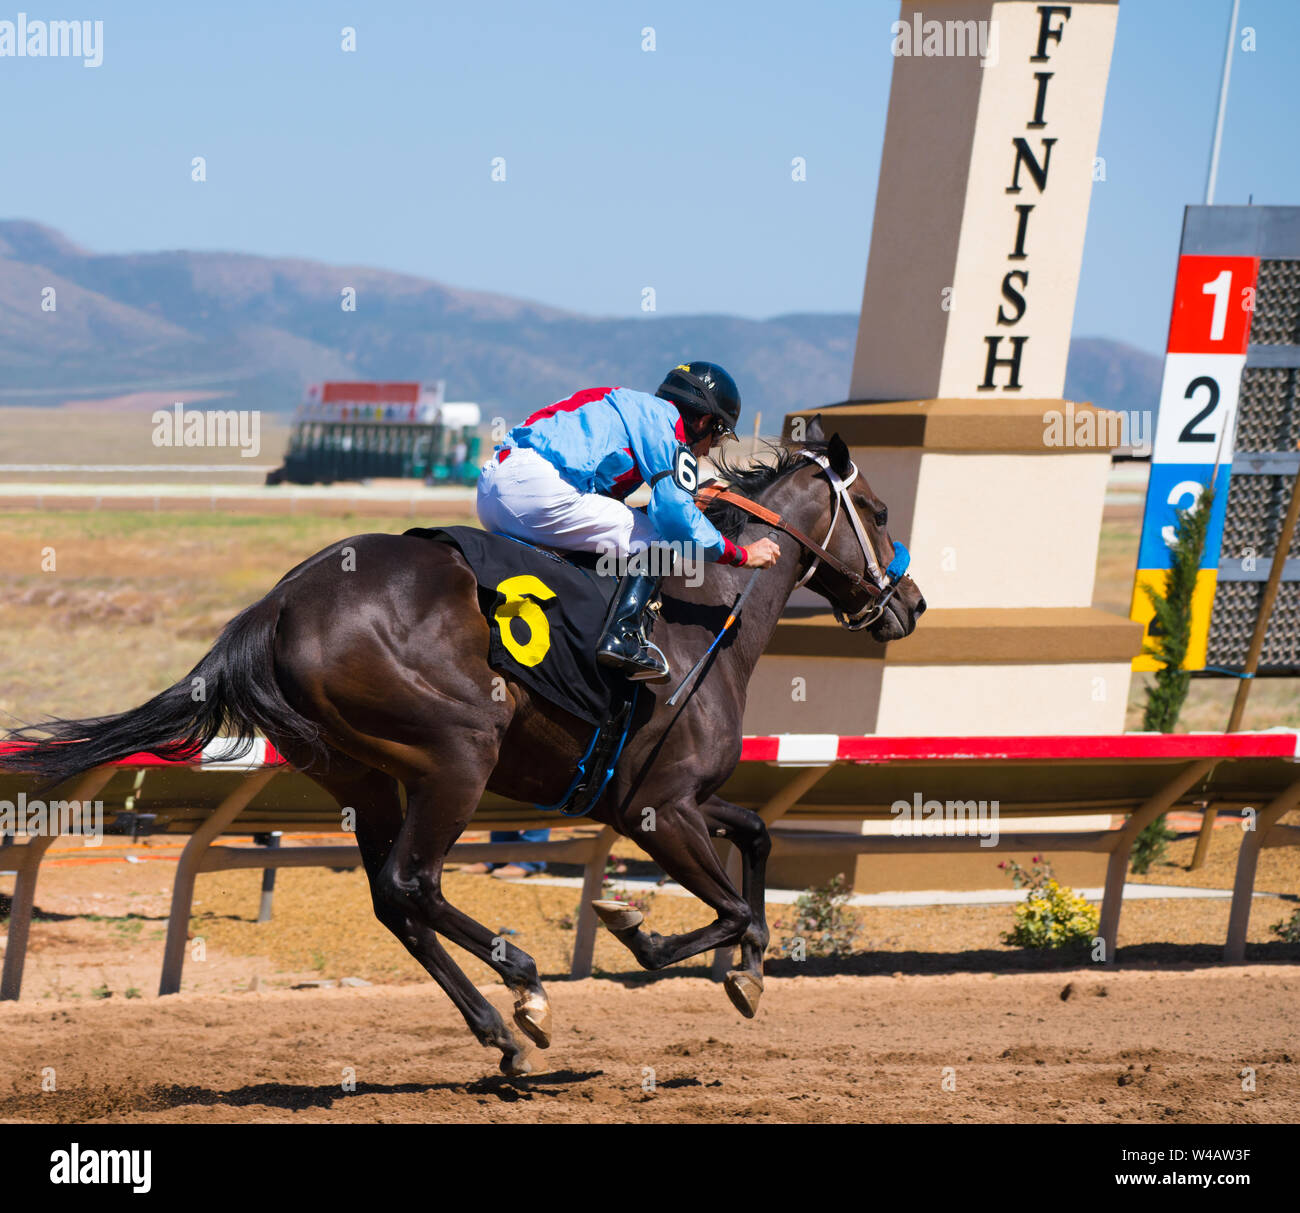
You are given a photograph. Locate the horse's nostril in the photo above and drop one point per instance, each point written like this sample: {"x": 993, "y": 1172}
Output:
{"x": 920, "y": 606}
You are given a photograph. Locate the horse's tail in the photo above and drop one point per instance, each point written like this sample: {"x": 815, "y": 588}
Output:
{"x": 231, "y": 693}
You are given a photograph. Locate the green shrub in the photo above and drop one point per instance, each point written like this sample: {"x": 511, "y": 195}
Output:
{"x": 1170, "y": 628}
{"x": 1289, "y": 929}
{"x": 823, "y": 924}
{"x": 1052, "y": 915}
{"x": 1171, "y": 635}
{"x": 1150, "y": 846}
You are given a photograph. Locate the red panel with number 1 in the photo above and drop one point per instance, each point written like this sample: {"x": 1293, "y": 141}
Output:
{"x": 1214, "y": 301}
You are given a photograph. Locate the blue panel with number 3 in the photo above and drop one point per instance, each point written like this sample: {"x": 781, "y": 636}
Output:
{"x": 1172, "y": 487}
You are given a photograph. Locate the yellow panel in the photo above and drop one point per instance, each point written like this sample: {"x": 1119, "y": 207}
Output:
{"x": 1202, "y": 605}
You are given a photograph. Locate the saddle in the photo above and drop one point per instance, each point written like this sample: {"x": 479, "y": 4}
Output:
{"x": 543, "y": 610}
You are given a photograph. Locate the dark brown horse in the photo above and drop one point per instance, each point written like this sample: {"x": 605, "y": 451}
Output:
{"x": 367, "y": 666}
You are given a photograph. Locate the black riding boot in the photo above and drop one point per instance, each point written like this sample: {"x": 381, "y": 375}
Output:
{"x": 623, "y": 644}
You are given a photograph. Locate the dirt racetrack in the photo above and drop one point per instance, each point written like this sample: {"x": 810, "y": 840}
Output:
{"x": 1129, "y": 1046}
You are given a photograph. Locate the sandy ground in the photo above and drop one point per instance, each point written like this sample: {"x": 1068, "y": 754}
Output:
{"x": 1123, "y": 1047}
{"x": 869, "y": 1037}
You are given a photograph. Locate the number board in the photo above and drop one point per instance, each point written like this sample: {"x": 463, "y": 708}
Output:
{"x": 1231, "y": 335}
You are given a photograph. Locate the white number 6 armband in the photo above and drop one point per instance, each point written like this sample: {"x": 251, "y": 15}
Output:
{"x": 686, "y": 472}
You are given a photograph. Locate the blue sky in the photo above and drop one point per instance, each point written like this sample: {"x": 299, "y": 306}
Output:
{"x": 624, "y": 168}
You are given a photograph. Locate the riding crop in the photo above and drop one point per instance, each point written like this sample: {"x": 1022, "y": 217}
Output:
{"x": 731, "y": 618}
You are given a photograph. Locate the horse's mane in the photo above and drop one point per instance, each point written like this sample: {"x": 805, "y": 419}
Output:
{"x": 750, "y": 478}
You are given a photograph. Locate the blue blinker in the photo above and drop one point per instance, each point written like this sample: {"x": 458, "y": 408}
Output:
{"x": 898, "y": 566}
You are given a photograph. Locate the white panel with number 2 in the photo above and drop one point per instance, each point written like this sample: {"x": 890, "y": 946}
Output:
{"x": 1198, "y": 407}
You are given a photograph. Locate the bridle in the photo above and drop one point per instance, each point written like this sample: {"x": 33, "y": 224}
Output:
{"x": 881, "y": 586}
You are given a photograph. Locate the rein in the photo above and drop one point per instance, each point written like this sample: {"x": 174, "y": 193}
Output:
{"x": 882, "y": 585}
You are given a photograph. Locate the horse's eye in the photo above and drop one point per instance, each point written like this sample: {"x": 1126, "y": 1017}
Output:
{"x": 882, "y": 518}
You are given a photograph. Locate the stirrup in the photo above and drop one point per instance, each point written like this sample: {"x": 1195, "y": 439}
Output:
{"x": 660, "y": 674}
{"x": 636, "y": 666}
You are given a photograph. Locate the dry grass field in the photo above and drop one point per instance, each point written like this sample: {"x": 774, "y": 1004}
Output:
{"x": 135, "y": 598}
{"x": 107, "y": 435}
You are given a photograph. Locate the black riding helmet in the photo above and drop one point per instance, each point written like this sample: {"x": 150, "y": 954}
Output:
{"x": 704, "y": 388}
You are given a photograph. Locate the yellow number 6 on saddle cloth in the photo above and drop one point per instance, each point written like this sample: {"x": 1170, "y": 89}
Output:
{"x": 519, "y": 594}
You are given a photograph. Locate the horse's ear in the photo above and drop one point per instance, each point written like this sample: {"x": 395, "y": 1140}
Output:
{"x": 838, "y": 454}
{"x": 813, "y": 432}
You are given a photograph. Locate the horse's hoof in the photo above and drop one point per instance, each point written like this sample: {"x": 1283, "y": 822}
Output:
{"x": 533, "y": 1015}
{"x": 744, "y": 990}
{"x": 520, "y": 1065}
{"x": 618, "y": 915}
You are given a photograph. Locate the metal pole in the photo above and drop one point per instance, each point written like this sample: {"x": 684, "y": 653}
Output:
{"x": 268, "y": 876}
{"x": 1223, "y": 104}
{"x": 1253, "y": 653}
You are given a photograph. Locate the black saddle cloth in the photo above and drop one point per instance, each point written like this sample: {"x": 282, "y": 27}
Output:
{"x": 545, "y": 614}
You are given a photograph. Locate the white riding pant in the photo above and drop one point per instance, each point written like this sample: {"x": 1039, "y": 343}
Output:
{"x": 525, "y": 496}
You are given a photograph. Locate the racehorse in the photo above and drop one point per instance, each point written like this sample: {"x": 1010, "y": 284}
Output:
{"x": 367, "y": 667}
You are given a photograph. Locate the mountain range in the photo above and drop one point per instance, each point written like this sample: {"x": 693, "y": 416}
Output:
{"x": 251, "y": 332}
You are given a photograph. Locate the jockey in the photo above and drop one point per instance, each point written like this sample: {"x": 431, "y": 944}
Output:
{"x": 559, "y": 481}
